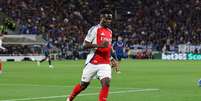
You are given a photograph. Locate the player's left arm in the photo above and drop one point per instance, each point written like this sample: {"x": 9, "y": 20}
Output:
{"x": 114, "y": 61}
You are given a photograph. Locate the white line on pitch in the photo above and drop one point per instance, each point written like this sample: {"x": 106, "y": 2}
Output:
{"x": 85, "y": 94}
{"x": 38, "y": 85}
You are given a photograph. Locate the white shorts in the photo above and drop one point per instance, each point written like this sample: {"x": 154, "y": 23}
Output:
{"x": 100, "y": 70}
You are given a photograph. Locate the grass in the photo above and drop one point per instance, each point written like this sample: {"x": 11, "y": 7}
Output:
{"x": 171, "y": 81}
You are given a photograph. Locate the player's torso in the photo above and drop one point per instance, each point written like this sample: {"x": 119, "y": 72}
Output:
{"x": 102, "y": 55}
{"x": 104, "y": 34}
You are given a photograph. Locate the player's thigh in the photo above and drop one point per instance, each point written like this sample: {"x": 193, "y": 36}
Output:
{"x": 104, "y": 71}
{"x": 89, "y": 71}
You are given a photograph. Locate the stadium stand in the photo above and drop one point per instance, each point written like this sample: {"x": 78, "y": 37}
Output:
{"x": 147, "y": 26}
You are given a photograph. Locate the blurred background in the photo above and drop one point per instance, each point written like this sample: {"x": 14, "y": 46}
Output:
{"x": 145, "y": 33}
{"x": 148, "y": 29}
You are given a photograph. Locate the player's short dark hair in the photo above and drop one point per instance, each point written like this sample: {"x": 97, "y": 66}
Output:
{"x": 106, "y": 13}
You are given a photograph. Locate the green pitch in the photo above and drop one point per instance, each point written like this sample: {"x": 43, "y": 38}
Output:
{"x": 141, "y": 80}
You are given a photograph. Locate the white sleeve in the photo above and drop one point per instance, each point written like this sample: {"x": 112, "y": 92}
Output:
{"x": 0, "y": 42}
{"x": 1, "y": 47}
{"x": 91, "y": 34}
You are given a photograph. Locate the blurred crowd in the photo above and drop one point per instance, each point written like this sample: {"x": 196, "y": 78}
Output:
{"x": 161, "y": 24}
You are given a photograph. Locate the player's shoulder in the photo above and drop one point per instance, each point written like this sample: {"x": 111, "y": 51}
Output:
{"x": 93, "y": 28}
{"x": 109, "y": 30}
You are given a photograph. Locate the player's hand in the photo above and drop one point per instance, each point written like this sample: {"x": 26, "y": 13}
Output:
{"x": 104, "y": 44}
{"x": 115, "y": 66}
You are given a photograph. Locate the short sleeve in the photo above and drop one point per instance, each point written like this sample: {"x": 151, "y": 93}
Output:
{"x": 91, "y": 34}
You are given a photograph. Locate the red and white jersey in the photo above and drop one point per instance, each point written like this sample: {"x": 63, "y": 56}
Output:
{"x": 96, "y": 35}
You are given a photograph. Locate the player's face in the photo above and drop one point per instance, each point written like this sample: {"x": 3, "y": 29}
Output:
{"x": 106, "y": 20}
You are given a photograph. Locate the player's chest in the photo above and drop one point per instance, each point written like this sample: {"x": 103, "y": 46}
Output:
{"x": 104, "y": 35}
